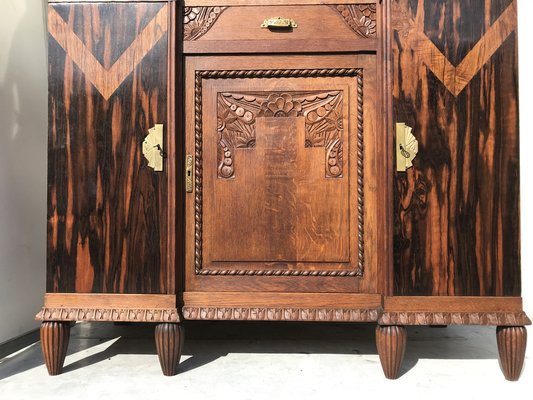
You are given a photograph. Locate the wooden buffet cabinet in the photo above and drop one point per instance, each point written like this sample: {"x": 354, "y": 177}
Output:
{"x": 237, "y": 160}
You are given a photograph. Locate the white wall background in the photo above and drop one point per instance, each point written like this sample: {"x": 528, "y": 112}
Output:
{"x": 23, "y": 120}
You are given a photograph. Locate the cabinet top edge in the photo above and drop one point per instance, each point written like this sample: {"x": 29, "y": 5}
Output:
{"x": 199, "y": 3}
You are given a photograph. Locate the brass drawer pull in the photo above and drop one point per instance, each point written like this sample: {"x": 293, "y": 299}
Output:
{"x": 279, "y": 22}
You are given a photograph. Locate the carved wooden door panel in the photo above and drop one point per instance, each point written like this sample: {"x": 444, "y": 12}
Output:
{"x": 278, "y": 197}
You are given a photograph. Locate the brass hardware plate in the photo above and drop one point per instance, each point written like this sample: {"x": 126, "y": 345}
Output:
{"x": 153, "y": 148}
{"x": 189, "y": 161}
{"x": 279, "y": 22}
{"x": 406, "y": 147}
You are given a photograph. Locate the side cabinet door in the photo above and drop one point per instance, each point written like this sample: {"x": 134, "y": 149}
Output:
{"x": 107, "y": 209}
{"x": 457, "y": 210}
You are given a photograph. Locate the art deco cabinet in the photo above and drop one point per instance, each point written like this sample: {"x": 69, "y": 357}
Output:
{"x": 298, "y": 160}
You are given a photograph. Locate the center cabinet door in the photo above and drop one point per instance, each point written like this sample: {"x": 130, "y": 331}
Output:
{"x": 282, "y": 150}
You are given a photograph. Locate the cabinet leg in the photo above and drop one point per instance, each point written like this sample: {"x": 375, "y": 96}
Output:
{"x": 54, "y": 343}
{"x": 169, "y": 342}
{"x": 512, "y": 342}
{"x": 391, "y": 341}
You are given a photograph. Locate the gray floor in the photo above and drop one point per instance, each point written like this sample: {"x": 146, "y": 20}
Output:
{"x": 264, "y": 361}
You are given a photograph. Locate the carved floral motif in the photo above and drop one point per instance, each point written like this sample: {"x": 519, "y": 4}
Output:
{"x": 361, "y": 18}
{"x": 237, "y": 113}
{"x": 198, "y": 20}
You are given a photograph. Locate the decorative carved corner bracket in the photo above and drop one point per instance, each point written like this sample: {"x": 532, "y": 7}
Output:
{"x": 361, "y": 18}
{"x": 198, "y": 20}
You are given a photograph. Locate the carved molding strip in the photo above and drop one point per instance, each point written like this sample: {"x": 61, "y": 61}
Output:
{"x": 109, "y": 314}
{"x": 281, "y": 314}
{"x": 323, "y": 112}
{"x": 198, "y": 143}
{"x": 107, "y": 80}
{"x": 454, "y": 78}
{"x": 361, "y": 18}
{"x": 457, "y": 318}
{"x": 198, "y": 20}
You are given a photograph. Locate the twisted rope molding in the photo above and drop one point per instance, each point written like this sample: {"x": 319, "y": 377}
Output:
{"x": 198, "y": 141}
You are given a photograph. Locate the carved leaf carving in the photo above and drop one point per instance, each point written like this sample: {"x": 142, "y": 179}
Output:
{"x": 237, "y": 113}
{"x": 198, "y": 20}
{"x": 361, "y": 18}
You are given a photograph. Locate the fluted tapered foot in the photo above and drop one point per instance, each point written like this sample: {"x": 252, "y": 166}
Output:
{"x": 512, "y": 342}
{"x": 391, "y": 341}
{"x": 54, "y": 343}
{"x": 169, "y": 342}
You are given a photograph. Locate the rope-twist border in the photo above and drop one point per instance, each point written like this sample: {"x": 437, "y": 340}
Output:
{"x": 198, "y": 135}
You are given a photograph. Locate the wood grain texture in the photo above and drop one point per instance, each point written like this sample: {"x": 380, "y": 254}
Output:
{"x": 239, "y": 74}
{"x": 106, "y": 209}
{"x": 169, "y": 344}
{"x": 512, "y": 342}
{"x": 457, "y": 211}
{"x": 391, "y": 342}
{"x": 54, "y": 343}
{"x": 280, "y": 299}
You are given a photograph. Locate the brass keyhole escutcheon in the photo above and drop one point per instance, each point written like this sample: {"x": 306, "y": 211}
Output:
{"x": 189, "y": 161}
{"x": 153, "y": 148}
{"x": 406, "y": 147}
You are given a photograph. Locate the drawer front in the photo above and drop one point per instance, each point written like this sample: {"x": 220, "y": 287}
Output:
{"x": 323, "y": 28}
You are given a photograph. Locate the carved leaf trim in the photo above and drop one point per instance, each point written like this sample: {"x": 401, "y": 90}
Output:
{"x": 457, "y": 318}
{"x": 109, "y": 314}
{"x": 281, "y": 314}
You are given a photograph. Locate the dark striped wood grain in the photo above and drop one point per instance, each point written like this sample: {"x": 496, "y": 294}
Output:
{"x": 457, "y": 211}
{"x": 106, "y": 208}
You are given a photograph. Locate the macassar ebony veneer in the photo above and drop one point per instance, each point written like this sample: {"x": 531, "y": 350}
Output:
{"x": 297, "y": 160}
